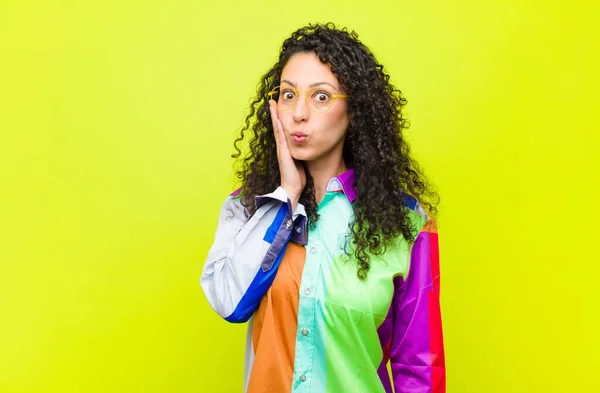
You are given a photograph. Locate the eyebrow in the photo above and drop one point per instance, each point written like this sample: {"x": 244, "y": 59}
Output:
{"x": 309, "y": 86}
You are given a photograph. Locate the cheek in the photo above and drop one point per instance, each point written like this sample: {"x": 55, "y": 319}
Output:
{"x": 336, "y": 122}
{"x": 286, "y": 120}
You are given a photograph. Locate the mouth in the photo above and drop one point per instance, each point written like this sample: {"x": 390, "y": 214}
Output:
{"x": 299, "y": 137}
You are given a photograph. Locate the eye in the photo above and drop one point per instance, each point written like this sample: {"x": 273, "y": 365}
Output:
{"x": 321, "y": 96}
{"x": 287, "y": 94}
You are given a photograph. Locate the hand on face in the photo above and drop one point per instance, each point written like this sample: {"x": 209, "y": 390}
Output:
{"x": 293, "y": 177}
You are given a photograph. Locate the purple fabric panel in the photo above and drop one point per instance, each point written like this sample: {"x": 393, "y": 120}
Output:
{"x": 382, "y": 371}
{"x": 347, "y": 181}
{"x": 384, "y": 331}
{"x": 410, "y": 352}
{"x": 281, "y": 238}
{"x": 279, "y": 243}
{"x": 300, "y": 224}
{"x": 236, "y": 192}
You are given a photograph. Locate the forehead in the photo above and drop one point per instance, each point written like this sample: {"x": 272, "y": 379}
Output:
{"x": 304, "y": 69}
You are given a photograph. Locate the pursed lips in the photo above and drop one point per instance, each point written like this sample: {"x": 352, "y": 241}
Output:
{"x": 299, "y": 136}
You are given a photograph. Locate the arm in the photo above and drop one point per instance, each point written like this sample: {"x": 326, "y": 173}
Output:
{"x": 243, "y": 260}
{"x": 417, "y": 348}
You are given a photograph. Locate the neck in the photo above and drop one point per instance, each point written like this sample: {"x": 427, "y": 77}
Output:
{"x": 322, "y": 171}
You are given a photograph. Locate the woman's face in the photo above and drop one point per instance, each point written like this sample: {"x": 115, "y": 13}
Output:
{"x": 312, "y": 135}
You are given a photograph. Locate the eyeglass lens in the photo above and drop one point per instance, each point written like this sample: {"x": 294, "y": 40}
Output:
{"x": 319, "y": 99}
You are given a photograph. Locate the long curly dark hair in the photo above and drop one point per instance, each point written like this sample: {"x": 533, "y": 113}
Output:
{"x": 385, "y": 173}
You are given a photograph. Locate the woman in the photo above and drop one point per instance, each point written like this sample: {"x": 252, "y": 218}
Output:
{"x": 326, "y": 248}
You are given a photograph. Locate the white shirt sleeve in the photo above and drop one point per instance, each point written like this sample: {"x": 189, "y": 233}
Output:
{"x": 243, "y": 260}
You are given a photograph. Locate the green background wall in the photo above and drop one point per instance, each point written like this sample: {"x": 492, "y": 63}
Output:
{"x": 116, "y": 126}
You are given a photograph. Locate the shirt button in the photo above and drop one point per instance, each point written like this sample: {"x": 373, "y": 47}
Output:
{"x": 289, "y": 223}
{"x": 313, "y": 250}
{"x": 302, "y": 377}
{"x": 307, "y": 291}
{"x": 305, "y": 332}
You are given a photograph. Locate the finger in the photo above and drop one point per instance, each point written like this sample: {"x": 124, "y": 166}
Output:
{"x": 281, "y": 134}
{"x": 273, "y": 109}
{"x": 278, "y": 128}
{"x": 283, "y": 150}
{"x": 274, "y": 120}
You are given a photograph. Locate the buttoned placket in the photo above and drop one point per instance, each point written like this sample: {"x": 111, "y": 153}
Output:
{"x": 304, "y": 360}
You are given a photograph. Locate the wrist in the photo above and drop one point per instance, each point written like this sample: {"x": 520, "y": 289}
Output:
{"x": 293, "y": 195}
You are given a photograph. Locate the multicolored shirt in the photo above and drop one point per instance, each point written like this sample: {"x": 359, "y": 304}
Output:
{"x": 314, "y": 326}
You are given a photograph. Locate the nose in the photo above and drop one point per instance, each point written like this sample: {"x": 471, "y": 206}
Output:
{"x": 301, "y": 111}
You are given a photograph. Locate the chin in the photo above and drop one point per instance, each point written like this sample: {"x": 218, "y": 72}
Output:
{"x": 302, "y": 155}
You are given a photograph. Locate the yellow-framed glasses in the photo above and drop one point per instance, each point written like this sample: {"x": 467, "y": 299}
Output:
{"x": 319, "y": 99}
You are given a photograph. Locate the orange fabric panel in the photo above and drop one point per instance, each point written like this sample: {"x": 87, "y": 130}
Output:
{"x": 275, "y": 325}
{"x": 430, "y": 226}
